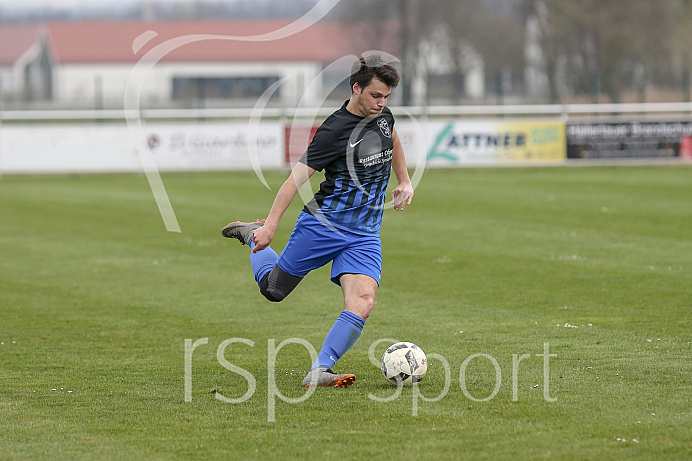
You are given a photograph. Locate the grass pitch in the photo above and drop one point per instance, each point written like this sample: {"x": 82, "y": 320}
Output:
{"x": 489, "y": 269}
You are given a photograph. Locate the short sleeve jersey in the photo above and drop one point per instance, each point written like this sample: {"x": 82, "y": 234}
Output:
{"x": 355, "y": 154}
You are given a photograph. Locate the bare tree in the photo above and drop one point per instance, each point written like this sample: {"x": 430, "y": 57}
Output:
{"x": 459, "y": 30}
{"x": 379, "y": 21}
{"x": 594, "y": 48}
{"x": 681, "y": 45}
{"x": 602, "y": 46}
{"x": 498, "y": 35}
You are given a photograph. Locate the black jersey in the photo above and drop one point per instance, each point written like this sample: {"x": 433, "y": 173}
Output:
{"x": 356, "y": 155}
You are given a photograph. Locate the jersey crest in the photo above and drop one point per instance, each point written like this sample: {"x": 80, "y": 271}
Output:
{"x": 384, "y": 127}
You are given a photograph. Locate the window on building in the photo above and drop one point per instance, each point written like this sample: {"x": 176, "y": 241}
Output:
{"x": 221, "y": 87}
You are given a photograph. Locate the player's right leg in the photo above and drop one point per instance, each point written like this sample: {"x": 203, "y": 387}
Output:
{"x": 274, "y": 283}
{"x": 241, "y": 230}
{"x": 308, "y": 248}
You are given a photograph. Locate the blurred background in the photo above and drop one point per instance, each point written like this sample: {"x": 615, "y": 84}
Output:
{"x": 483, "y": 81}
{"x": 78, "y": 54}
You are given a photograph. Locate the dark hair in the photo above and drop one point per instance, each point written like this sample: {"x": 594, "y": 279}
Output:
{"x": 371, "y": 66}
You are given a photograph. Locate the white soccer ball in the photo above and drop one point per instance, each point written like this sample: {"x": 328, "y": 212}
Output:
{"x": 404, "y": 363}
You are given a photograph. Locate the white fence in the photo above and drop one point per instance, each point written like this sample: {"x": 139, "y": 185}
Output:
{"x": 563, "y": 111}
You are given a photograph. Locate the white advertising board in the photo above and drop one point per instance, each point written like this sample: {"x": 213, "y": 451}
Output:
{"x": 215, "y": 146}
{"x": 60, "y": 148}
{"x": 108, "y": 147}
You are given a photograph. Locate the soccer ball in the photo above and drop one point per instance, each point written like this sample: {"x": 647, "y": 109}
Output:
{"x": 405, "y": 363}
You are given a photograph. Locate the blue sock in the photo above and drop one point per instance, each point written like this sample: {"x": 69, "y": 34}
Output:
{"x": 262, "y": 262}
{"x": 344, "y": 333}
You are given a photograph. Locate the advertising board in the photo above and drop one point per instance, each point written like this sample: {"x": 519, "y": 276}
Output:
{"x": 626, "y": 139}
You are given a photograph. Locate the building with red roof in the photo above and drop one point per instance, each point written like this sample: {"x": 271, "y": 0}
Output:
{"x": 223, "y": 63}
{"x": 185, "y": 63}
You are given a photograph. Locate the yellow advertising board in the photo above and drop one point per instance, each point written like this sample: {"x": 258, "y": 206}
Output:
{"x": 467, "y": 142}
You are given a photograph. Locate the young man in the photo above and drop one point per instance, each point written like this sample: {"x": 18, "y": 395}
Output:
{"x": 356, "y": 147}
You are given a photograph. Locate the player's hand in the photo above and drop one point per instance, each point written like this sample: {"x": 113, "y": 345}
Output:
{"x": 262, "y": 238}
{"x": 402, "y": 196}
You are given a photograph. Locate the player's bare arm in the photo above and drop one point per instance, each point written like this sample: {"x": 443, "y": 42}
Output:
{"x": 403, "y": 194}
{"x": 265, "y": 234}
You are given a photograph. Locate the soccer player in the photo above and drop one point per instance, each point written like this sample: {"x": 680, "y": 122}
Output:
{"x": 356, "y": 147}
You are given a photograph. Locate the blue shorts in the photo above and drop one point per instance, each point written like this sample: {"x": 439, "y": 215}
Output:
{"x": 313, "y": 244}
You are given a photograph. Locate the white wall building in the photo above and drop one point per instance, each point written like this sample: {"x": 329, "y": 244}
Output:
{"x": 202, "y": 64}
{"x": 190, "y": 64}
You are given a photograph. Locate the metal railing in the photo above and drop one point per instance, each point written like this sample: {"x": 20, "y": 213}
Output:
{"x": 563, "y": 111}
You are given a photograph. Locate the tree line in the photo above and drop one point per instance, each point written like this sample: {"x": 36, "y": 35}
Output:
{"x": 560, "y": 50}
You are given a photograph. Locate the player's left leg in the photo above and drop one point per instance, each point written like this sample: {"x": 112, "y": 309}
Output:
{"x": 359, "y": 299}
{"x": 359, "y": 294}
{"x": 357, "y": 269}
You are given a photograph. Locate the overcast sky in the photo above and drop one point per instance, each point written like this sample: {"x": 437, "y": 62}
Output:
{"x": 68, "y": 3}
{"x": 51, "y": 2}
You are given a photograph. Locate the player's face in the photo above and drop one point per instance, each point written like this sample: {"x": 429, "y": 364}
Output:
{"x": 371, "y": 99}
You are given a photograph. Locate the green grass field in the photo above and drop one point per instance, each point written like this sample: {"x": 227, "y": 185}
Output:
{"x": 97, "y": 300}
